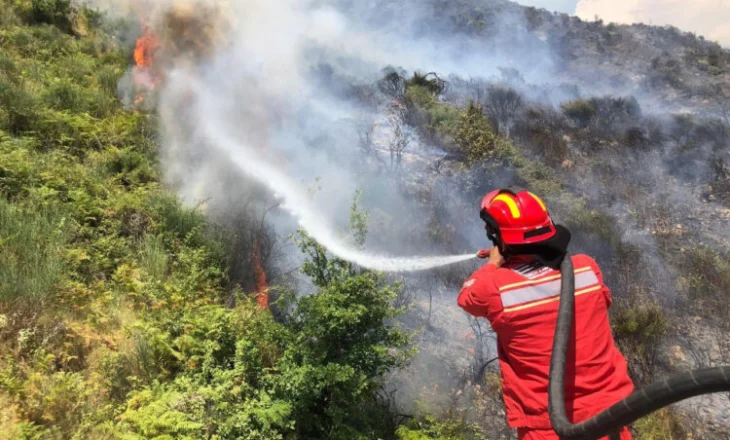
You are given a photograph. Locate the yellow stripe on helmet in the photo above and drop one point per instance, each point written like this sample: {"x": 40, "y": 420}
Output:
{"x": 542, "y": 205}
{"x": 511, "y": 204}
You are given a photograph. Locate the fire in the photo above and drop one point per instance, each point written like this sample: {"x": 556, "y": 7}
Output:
{"x": 262, "y": 288}
{"x": 144, "y": 55}
{"x": 147, "y": 44}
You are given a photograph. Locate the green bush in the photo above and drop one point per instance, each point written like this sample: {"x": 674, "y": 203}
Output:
{"x": 661, "y": 425}
{"x": 476, "y": 138}
{"x": 67, "y": 95}
{"x": 107, "y": 78}
{"x": 154, "y": 258}
{"x": 644, "y": 324}
{"x": 709, "y": 274}
{"x": 31, "y": 244}
{"x": 436, "y": 118}
{"x": 637, "y": 329}
{"x": 55, "y": 12}
{"x": 180, "y": 222}
{"x": 429, "y": 428}
{"x": 20, "y": 107}
{"x": 7, "y": 67}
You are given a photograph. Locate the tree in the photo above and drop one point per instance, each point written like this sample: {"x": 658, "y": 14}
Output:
{"x": 343, "y": 345}
{"x": 393, "y": 83}
{"x": 401, "y": 137}
{"x": 430, "y": 81}
{"x": 477, "y": 139}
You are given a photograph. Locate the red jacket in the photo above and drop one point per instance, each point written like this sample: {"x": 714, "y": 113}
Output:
{"x": 520, "y": 300}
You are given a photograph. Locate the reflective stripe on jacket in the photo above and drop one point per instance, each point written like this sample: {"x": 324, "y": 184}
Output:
{"x": 520, "y": 300}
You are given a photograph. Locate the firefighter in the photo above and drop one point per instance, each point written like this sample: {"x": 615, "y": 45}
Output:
{"x": 518, "y": 292}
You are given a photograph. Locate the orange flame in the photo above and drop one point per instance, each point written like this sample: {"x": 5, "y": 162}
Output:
{"x": 146, "y": 46}
{"x": 144, "y": 55}
{"x": 262, "y": 288}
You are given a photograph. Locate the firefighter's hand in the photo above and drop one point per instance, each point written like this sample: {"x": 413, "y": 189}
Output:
{"x": 495, "y": 257}
{"x": 483, "y": 254}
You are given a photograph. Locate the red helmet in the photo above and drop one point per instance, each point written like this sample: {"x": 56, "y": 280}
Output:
{"x": 516, "y": 217}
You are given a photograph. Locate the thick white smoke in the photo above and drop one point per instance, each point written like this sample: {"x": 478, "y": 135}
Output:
{"x": 272, "y": 102}
{"x": 212, "y": 131}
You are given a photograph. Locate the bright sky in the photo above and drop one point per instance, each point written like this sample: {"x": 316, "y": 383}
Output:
{"x": 709, "y": 18}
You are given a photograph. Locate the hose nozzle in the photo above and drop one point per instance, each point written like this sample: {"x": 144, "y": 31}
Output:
{"x": 484, "y": 254}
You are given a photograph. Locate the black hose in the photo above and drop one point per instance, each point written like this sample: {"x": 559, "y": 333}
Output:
{"x": 642, "y": 402}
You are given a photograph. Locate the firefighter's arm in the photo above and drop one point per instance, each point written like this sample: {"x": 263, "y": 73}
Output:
{"x": 479, "y": 295}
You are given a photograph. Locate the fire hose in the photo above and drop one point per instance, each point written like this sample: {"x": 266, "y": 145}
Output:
{"x": 639, "y": 404}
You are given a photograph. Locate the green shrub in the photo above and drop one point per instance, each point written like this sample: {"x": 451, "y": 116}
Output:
{"x": 643, "y": 324}
{"x": 709, "y": 274}
{"x": 8, "y": 17}
{"x": 477, "y": 139}
{"x": 127, "y": 166}
{"x": 107, "y": 78}
{"x": 31, "y": 251}
{"x": 178, "y": 221}
{"x": 55, "y": 12}
{"x": 706, "y": 279}
{"x": 539, "y": 178}
{"x": 661, "y": 425}
{"x": 431, "y": 428}
{"x": 17, "y": 167}
{"x": 66, "y": 95}
{"x": 7, "y": 67}
{"x": 154, "y": 259}
{"x": 638, "y": 328}
{"x": 65, "y": 129}
{"x": 437, "y": 118}
{"x": 430, "y": 82}
{"x": 77, "y": 67}
{"x": 19, "y": 106}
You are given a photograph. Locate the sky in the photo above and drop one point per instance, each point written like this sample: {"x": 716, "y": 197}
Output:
{"x": 703, "y": 17}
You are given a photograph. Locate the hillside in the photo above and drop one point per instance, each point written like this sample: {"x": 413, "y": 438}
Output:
{"x": 149, "y": 287}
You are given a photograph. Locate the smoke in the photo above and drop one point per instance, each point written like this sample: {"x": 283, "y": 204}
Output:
{"x": 272, "y": 100}
{"x": 294, "y": 201}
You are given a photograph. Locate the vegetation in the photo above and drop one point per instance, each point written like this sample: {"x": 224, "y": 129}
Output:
{"x": 112, "y": 315}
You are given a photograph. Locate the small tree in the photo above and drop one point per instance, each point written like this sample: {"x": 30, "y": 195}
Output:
{"x": 393, "y": 83}
{"x": 477, "y": 139}
{"x": 343, "y": 346}
{"x": 55, "y": 12}
{"x": 401, "y": 138}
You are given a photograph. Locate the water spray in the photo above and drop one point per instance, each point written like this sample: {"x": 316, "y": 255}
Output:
{"x": 295, "y": 202}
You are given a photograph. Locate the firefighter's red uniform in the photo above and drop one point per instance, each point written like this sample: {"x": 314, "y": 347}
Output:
{"x": 520, "y": 299}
